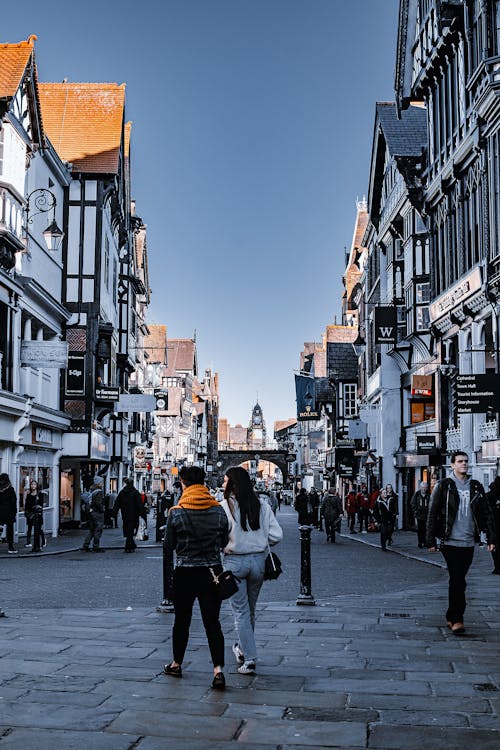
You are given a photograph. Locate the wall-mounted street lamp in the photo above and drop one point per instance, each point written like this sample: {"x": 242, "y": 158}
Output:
{"x": 359, "y": 343}
{"x": 43, "y": 201}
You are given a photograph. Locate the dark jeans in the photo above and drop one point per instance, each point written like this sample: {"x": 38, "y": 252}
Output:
{"x": 351, "y": 520}
{"x": 29, "y": 529}
{"x": 96, "y": 524}
{"x": 363, "y": 517}
{"x": 331, "y": 526}
{"x": 191, "y": 584}
{"x": 386, "y": 531}
{"x": 421, "y": 524}
{"x": 458, "y": 560}
{"x": 496, "y": 559}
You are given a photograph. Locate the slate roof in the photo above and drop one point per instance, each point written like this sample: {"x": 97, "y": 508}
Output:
{"x": 13, "y": 61}
{"x": 284, "y": 424}
{"x": 407, "y": 136}
{"x": 342, "y": 361}
{"x": 84, "y": 122}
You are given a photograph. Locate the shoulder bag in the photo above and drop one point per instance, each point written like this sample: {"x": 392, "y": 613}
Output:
{"x": 272, "y": 566}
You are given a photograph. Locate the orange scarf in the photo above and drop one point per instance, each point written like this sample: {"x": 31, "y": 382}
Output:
{"x": 196, "y": 497}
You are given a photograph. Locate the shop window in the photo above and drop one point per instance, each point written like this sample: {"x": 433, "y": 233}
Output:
{"x": 66, "y": 502}
{"x": 421, "y": 411}
{"x": 42, "y": 475}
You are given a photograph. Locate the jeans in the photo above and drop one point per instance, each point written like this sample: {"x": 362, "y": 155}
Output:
{"x": 96, "y": 524}
{"x": 386, "y": 531}
{"x": 191, "y": 584}
{"x": 331, "y": 526}
{"x": 458, "y": 560}
{"x": 351, "y": 520}
{"x": 29, "y": 526}
{"x": 421, "y": 528}
{"x": 249, "y": 570}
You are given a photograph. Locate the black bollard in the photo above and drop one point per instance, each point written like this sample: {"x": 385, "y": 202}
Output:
{"x": 167, "y": 604}
{"x": 305, "y": 596}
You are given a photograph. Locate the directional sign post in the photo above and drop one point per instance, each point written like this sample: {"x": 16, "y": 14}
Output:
{"x": 478, "y": 394}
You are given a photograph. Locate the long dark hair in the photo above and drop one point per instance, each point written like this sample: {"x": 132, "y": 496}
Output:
{"x": 240, "y": 486}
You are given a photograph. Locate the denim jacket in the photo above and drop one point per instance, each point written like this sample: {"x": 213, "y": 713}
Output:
{"x": 197, "y": 536}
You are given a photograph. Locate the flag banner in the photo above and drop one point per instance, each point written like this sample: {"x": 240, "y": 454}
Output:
{"x": 386, "y": 325}
{"x": 306, "y": 398}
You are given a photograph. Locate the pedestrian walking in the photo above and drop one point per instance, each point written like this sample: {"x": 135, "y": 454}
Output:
{"x": 493, "y": 497}
{"x": 128, "y": 502}
{"x": 197, "y": 531}
{"x": 314, "y": 500}
{"x": 331, "y": 510}
{"x": 8, "y": 510}
{"x": 303, "y": 507}
{"x": 278, "y": 498}
{"x": 252, "y": 528}
{"x": 419, "y": 505}
{"x": 33, "y": 512}
{"x": 384, "y": 512}
{"x": 393, "y": 498}
{"x": 351, "y": 507}
{"x": 458, "y": 512}
{"x": 95, "y": 516}
{"x": 363, "y": 502}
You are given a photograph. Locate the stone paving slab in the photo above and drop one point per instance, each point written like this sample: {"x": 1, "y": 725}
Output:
{"x": 437, "y": 738}
{"x": 42, "y": 739}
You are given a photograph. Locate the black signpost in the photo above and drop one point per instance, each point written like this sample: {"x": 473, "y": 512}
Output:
{"x": 478, "y": 394}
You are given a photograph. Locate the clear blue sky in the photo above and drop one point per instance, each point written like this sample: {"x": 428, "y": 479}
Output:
{"x": 252, "y": 130}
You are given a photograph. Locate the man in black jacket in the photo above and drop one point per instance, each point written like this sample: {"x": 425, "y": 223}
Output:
{"x": 129, "y": 503}
{"x": 419, "y": 505}
{"x": 458, "y": 513}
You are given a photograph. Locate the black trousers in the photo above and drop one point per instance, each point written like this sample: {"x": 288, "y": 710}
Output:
{"x": 421, "y": 524}
{"x": 386, "y": 531}
{"x": 351, "y": 520}
{"x": 191, "y": 584}
{"x": 458, "y": 561}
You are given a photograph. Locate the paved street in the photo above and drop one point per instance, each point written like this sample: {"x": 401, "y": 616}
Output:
{"x": 370, "y": 666}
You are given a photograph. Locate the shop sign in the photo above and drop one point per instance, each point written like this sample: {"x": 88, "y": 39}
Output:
{"x": 136, "y": 402}
{"x": 465, "y": 288}
{"x": 344, "y": 462}
{"x": 422, "y": 385}
{"x": 161, "y": 399}
{"x": 386, "y": 324}
{"x": 426, "y": 444}
{"x": 41, "y": 435}
{"x": 477, "y": 394}
{"x": 100, "y": 446}
{"x": 104, "y": 393}
{"x": 75, "y": 375}
{"x": 305, "y": 393}
{"x": 45, "y": 354}
{"x": 139, "y": 457}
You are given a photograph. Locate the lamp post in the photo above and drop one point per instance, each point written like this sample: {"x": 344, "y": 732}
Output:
{"x": 369, "y": 463}
{"x": 43, "y": 201}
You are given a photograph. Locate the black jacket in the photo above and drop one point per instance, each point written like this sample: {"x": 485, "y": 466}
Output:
{"x": 332, "y": 506}
{"x": 419, "y": 505}
{"x": 443, "y": 508}
{"x": 385, "y": 511}
{"x": 129, "y": 503}
{"x": 8, "y": 505}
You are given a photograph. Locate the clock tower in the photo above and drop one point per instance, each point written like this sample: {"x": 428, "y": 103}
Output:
{"x": 257, "y": 429}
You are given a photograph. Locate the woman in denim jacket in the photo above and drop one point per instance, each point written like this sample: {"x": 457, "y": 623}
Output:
{"x": 252, "y": 527}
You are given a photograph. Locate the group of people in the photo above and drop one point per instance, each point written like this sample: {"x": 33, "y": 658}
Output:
{"x": 199, "y": 528}
{"x": 33, "y": 512}
{"x": 371, "y": 509}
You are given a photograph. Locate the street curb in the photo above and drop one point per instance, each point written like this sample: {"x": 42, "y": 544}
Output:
{"x": 70, "y": 549}
{"x": 402, "y": 553}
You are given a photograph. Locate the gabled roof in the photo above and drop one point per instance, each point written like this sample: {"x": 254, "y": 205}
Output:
{"x": 405, "y": 140}
{"x": 284, "y": 424}
{"x": 84, "y": 122}
{"x": 406, "y": 136}
{"x": 181, "y": 356}
{"x": 342, "y": 361}
{"x": 14, "y": 59}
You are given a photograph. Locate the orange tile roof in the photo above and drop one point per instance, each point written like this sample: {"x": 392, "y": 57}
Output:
{"x": 84, "y": 122}
{"x": 13, "y": 61}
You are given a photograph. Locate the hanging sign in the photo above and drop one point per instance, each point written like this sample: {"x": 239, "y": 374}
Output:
{"x": 386, "y": 325}
{"x": 306, "y": 398}
{"x": 478, "y": 394}
{"x": 421, "y": 385}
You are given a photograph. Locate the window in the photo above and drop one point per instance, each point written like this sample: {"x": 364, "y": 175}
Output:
{"x": 350, "y": 400}
{"x": 423, "y": 320}
{"x": 421, "y": 411}
{"x": 422, "y": 292}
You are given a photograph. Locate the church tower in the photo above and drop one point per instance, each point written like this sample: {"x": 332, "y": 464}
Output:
{"x": 256, "y": 438}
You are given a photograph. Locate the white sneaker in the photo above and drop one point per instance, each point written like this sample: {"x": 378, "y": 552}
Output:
{"x": 12, "y": 551}
{"x": 28, "y": 545}
{"x": 240, "y": 658}
{"x": 364, "y": 532}
{"x": 44, "y": 544}
{"x": 248, "y": 667}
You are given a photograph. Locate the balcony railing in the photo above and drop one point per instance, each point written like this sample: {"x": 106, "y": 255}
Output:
{"x": 454, "y": 441}
{"x": 488, "y": 431}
